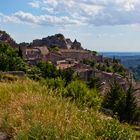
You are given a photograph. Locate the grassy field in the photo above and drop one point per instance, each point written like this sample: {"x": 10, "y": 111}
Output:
{"x": 30, "y": 111}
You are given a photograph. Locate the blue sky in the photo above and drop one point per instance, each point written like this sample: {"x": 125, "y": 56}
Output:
{"x": 101, "y": 25}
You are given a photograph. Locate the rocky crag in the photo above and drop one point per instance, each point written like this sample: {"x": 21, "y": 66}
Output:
{"x": 4, "y": 37}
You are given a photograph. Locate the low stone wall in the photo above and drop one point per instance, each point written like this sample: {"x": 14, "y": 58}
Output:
{"x": 15, "y": 73}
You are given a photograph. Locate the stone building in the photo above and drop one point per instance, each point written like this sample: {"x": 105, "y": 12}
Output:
{"x": 85, "y": 72}
{"x": 66, "y": 63}
{"x": 80, "y": 55}
{"x": 107, "y": 78}
{"x": 35, "y": 54}
{"x": 54, "y": 57}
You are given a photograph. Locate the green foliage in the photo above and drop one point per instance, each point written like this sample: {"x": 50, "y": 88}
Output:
{"x": 48, "y": 70}
{"x": 94, "y": 82}
{"x": 121, "y": 102}
{"x": 117, "y": 61}
{"x": 54, "y": 48}
{"x": 112, "y": 130}
{"x": 93, "y": 52}
{"x": 67, "y": 75}
{"x": 20, "y": 53}
{"x": 61, "y": 36}
{"x": 30, "y": 111}
{"x": 78, "y": 91}
{"x": 101, "y": 67}
{"x": 88, "y": 62}
{"x": 34, "y": 73}
{"x": 9, "y": 59}
{"x": 114, "y": 67}
{"x": 115, "y": 98}
{"x": 131, "y": 110}
{"x": 54, "y": 83}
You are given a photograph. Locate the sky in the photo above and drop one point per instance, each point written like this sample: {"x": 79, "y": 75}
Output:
{"x": 100, "y": 25}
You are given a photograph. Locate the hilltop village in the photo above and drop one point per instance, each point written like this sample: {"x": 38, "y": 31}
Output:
{"x": 65, "y": 54}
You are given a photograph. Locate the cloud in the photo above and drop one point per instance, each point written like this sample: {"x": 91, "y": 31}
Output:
{"x": 80, "y": 12}
{"x": 24, "y": 17}
{"x": 34, "y": 4}
{"x": 96, "y": 12}
{"x": 5, "y": 18}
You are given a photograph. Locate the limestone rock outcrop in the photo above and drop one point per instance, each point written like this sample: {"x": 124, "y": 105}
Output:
{"x": 76, "y": 45}
{"x": 58, "y": 40}
{"x": 4, "y": 37}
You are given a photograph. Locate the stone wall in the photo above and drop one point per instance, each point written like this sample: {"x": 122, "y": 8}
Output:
{"x": 80, "y": 55}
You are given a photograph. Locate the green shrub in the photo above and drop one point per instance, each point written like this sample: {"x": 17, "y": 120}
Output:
{"x": 112, "y": 130}
{"x": 34, "y": 73}
{"x": 78, "y": 91}
{"x": 48, "y": 70}
{"x": 54, "y": 83}
{"x": 9, "y": 59}
{"x": 67, "y": 75}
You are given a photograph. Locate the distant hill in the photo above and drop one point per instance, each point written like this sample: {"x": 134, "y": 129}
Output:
{"x": 130, "y": 60}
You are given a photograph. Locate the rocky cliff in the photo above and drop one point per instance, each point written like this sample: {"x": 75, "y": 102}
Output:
{"x": 4, "y": 37}
{"x": 58, "y": 40}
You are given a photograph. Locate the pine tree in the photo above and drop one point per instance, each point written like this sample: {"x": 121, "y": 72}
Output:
{"x": 131, "y": 110}
{"x": 20, "y": 53}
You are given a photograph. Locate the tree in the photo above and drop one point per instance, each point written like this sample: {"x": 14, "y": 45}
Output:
{"x": 9, "y": 59}
{"x": 34, "y": 73}
{"x": 94, "y": 82}
{"x": 48, "y": 70}
{"x": 67, "y": 75}
{"x": 131, "y": 110}
{"x": 115, "y": 99}
{"x": 121, "y": 102}
{"x": 78, "y": 91}
{"x": 20, "y": 53}
{"x": 54, "y": 48}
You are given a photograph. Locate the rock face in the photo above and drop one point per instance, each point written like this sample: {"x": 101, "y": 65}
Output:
{"x": 4, "y": 136}
{"x": 69, "y": 43}
{"x": 76, "y": 45}
{"x": 4, "y": 37}
{"x": 49, "y": 41}
{"x": 58, "y": 40}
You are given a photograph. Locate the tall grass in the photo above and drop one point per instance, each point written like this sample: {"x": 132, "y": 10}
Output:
{"x": 31, "y": 111}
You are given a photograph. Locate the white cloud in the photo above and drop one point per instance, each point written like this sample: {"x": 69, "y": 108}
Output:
{"x": 5, "y": 18}
{"x": 97, "y": 12}
{"x": 23, "y": 17}
{"x": 81, "y": 12}
{"x": 34, "y": 4}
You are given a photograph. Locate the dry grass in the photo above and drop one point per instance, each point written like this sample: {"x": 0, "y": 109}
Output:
{"x": 31, "y": 111}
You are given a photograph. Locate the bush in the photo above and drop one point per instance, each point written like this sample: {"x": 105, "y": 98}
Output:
{"x": 9, "y": 59}
{"x": 34, "y": 73}
{"x": 112, "y": 130}
{"x": 67, "y": 75}
{"x": 54, "y": 48}
{"x": 78, "y": 91}
{"x": 48, "y": 70}
{"x": 54, "y": 83}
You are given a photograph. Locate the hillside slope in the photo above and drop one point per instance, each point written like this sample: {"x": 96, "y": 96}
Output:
{"x": 31, "y": 111}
